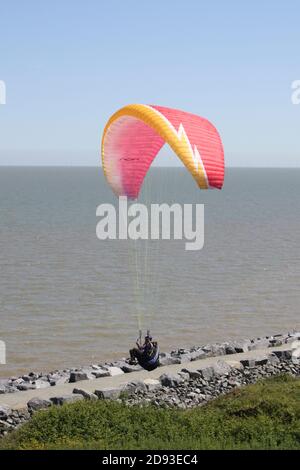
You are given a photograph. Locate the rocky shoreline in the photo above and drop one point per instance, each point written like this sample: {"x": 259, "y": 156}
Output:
{"x": 186, "y": 389}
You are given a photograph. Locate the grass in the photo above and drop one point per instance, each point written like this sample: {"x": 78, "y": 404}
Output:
{"x": 261, "y": 416}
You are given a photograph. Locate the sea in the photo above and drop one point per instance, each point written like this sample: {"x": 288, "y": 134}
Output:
{"x": 68, "y": 299}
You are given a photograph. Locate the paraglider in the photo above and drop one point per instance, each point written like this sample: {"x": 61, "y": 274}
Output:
{"x": 131, "y": 140}
{"x": 146, "y": 354}
{"x": 134, "y": 135}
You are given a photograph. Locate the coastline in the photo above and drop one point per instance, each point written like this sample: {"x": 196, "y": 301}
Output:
{"x": 38, "y": 380}
{"x": 185, "y": 378}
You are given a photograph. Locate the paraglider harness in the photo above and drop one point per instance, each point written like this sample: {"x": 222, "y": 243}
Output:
{"x": 149, "y": 359}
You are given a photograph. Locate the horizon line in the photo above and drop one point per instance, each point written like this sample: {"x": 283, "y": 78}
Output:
{"x": 154, "y": 166}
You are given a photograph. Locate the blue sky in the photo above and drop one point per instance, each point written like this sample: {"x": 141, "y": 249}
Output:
{"x": 68, "y": 65}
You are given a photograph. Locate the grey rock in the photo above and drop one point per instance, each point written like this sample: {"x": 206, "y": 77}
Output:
{"x": 184, "y": 375}
{"x": 87, "y": 395}
{"x": 260, "y": 361}
{"x": 273, "y": 359}
{"x": 26, "y": 386}
{"x": 255, "y": 361}
{"x": 34, "y": 375}
{"x": 284, "y": 355}
{"x": 57, "y": 379}
{"x": 18, "y": 381}
{"x": 118, "y": 364}
{"x": 218, "y": 349}
{"x": 171, "y": 380}
{"x": 229, "y": 348}
{"x": 296, "y": 354}
{"x": 207, "y": 349}
{"x": 41, "y": 383}
{"x": 133, "y": 387}
{"x": 241, "y": 346}
{"x": 4, "y": 427}
{"x": 26, "y": 378}
{"x": 76, "y": 376}
{"x": 101, "y": 373}
{"x": 207, "y": 372}
{"x": 62, "y": 399}
{"x": 109, "y": 393}
{"x": 5, "y": 411}
{"x": 131, "y": 368}
{"x": 36, "y": 404}
{"x": 194, "y": 374}
{"x": 184, "y": 358}
{"x": 166, "y": 359}
{"x": 114, "y": 371}
{"x": 198, "y": 354}
{"x": 152, "y": 384}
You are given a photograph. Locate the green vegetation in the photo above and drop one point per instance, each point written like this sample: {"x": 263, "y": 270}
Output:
{"x": 261, "y": 416}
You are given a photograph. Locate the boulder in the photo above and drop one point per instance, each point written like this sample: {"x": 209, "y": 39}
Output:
{"x": 135, "y": 386}
{"x": 17, "y": 381}
{"x": 26, "y": 386}
{"x": 295, "y": 344}
{"x": 41, "y": 383}
{"x": 36, "y": 404}
{"x": 184, "y": 374}
{"x": 255, "y": 361}
{"x": 285, "y": 355}
{"x": 4, "y": 385}
{"x": 165, "y": 359}
{"x": 207, "y": 349}
{"x": 62, "y": 399}
{"x": 57, "y": 379}
{"x": 109, "y": 393}
{"x": 100, "y": 373}
{"x": 113, "y": 371}
{"x": 76, "y": 376}
{"x": 127, "y": 368}
{"x": 194, "y": 374}
{"x": 207, "y": 372}
{"x": 218, "y": 349}
{"x": 234, "y": 364}
{"x": 87, "y": 395}
{"x": 5, "y": 411}
{"x": 171, "y": 380}
{"x": 241, "y": 346}
{"x": 152, "y": 384}
{"x": 26, "y": 378}
{"x": 186, "y": 357}
{"x": 229, "y": 348}
{"x": 198, "y": 354}
{"x": 273, "y": 359}
{"x": 296, "y": 356}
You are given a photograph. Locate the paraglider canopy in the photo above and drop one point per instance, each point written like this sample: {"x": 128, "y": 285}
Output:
{"x": 135, "y": 134}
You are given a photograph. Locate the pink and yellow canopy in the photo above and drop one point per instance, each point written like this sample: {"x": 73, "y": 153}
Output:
{"x": 134, "y": 135}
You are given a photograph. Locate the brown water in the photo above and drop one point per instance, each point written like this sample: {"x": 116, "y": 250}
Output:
{"x": 68, "y": 299}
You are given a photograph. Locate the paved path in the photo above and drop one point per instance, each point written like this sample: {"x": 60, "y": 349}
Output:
{"x": 19, "y": 400}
